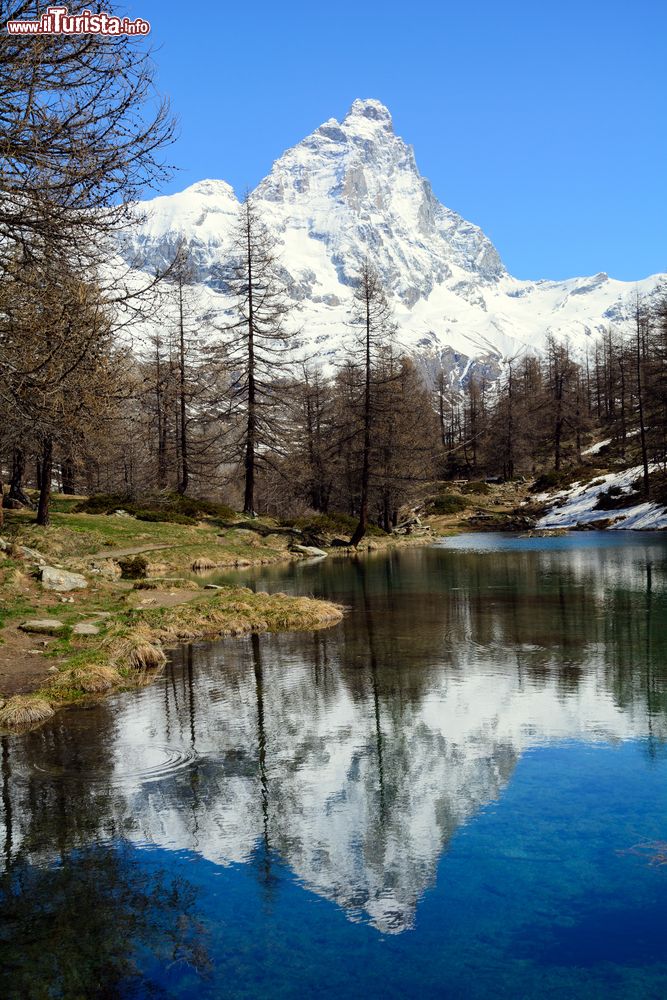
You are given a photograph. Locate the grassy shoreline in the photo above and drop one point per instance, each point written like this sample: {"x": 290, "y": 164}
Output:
{"x": 130, "y": 623}
{"x": 135, "y": 621}
{"x": 131, "y": 651}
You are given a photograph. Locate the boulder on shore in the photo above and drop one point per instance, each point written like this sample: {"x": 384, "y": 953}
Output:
{"x": 43, "y": 626}
{"x": 61, "y": 581}
{"x": 85, "y": 628}
{"x": 308, "y": 550}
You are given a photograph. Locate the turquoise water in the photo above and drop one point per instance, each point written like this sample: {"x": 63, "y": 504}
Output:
{"x": 460, "y": 791}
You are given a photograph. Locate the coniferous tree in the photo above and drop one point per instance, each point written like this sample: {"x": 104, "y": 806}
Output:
{"x": 56, "y": 361}
{"x": 257, "y": 346}
{"x": 374, "y": 325}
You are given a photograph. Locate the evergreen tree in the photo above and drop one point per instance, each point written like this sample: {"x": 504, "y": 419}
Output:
{"x": 257, "y": 346}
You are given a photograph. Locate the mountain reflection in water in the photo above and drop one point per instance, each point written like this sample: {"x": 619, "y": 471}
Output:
{"x": 352, "y": 756}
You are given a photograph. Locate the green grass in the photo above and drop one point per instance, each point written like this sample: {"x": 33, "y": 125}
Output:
{"x": 332, "y": 524}
{"x": 478, "y": 488}
{"x": 13, "y": 605}
{"x": 76, "y": 536}
{"x": 169, "y": 508}
{"x": 449, "y": 503}
{"x": 132, "y": 648}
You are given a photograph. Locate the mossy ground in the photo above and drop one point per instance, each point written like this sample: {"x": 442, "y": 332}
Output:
{"x": 455, "y": 507}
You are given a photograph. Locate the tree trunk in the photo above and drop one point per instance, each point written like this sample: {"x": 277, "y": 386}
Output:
{"x": 16, "y": 491}
{"x": 509, "y": 474}
{"x": 640, "y": 407}
{"x": 386, "y": 514}
{"x": 185, "y": 472}
{"x": 558, "y": 426}
{"x": 624, "y": 428}
{"x": 360, "y": 530}
{"x": 251, "y": 427}
{"x": 160, "y": 411}
{"x": 43, "y": 518}
{"x": 441, "y": 409}
{"x": 67, "y": 473}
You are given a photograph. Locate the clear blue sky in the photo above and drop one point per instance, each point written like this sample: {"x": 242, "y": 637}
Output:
{"x": 543, "y": 122}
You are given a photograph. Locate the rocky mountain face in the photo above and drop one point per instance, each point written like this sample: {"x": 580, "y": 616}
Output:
{"x": 352, "y": 190}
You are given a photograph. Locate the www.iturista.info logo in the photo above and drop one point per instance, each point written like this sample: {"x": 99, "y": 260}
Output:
{"x": 59, "y": 21}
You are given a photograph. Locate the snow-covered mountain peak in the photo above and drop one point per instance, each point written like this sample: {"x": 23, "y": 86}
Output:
{"x": 352, "y": 190}
{"x": 371, "y": 110}
{"x": 204, "y": 214}
{"x": 211, "y": 188}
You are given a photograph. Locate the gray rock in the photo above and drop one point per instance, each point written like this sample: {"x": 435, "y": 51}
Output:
{"x": 309, "y": 550}
{"x": 62, "y": 581}
{"x": 4, "y": 545}
{"x": 32, "y": 555}
{"x": 86, "y": 628}
{"x": 44, "y": 626}
{"x": 108, "y": 570}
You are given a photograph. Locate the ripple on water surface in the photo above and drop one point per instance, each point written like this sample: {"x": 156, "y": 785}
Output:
{"x": 129, "y": 764}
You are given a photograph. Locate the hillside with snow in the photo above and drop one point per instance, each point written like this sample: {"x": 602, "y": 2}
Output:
{"x": 583, "y": 504}
{"x": 353, "y": 190}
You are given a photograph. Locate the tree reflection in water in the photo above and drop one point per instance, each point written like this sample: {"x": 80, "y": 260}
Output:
{"x": 353, "y": 756}
{"x": 79, "y": 927}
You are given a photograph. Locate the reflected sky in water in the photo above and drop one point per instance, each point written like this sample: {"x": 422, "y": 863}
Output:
{"x": 458, "y": 791}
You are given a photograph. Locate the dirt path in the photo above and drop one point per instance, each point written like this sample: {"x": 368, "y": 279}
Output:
{"x": 163, "y": 598}
{"x": 23, "y": 663}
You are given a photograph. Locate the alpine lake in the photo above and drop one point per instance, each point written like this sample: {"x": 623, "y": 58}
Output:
{"x": 460, "y": 791}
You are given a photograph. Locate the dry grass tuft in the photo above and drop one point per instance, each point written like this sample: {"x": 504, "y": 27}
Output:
{"x": 93, "y": 678}
{"x": 202, "y": 565}
{"x": 238, "y": 611}
{"x": 137, "y": 649}
{"x": 146, "y": 656}
{"x": 24, "y": 710}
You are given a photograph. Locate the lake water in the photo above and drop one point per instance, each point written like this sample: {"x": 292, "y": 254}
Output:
{"x": 460, "y": 792}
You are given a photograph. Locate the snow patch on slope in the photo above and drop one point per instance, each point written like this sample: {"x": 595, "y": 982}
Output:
{"x": 576, "y": 506}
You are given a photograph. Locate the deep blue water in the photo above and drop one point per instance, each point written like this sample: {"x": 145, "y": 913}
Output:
{"x": 458, "y": 792}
